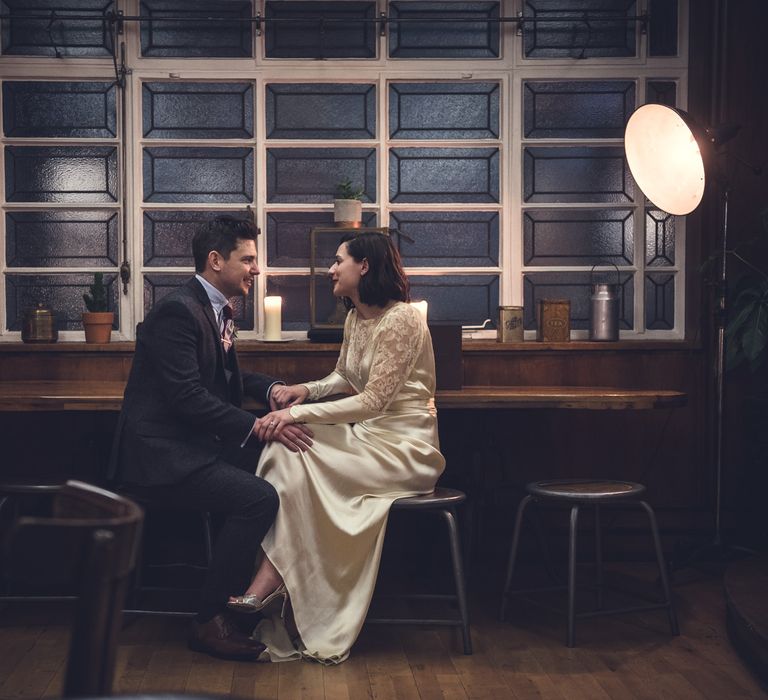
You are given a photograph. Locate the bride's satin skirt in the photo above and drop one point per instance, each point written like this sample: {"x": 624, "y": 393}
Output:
{"x": 326, "y": 541}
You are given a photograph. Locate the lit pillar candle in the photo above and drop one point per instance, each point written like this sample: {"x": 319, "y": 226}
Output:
{"x": 421, "y": 306}
{"x": 273, "y": 326}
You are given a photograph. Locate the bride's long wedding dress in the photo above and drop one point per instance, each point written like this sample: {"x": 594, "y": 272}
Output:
{"x": 369, "y": 449}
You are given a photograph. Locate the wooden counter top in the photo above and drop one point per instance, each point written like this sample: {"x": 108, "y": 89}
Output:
{"x": 73, "y": 395}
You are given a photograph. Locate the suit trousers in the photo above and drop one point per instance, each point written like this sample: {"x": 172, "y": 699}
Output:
{"x": 249, "y": 506}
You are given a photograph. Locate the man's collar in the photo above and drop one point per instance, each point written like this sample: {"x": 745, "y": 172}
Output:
{"x": 218, "y": 300}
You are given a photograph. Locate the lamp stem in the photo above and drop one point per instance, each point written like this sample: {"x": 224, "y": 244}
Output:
{"x": 720, "y": 372}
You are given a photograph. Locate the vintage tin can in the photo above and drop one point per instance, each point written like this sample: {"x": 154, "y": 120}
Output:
{"x": 553, "y": 318}
{"x": 510, "y": 328}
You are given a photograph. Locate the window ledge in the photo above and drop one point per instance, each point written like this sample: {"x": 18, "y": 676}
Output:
{"x": 492, "y": 346}
{"x": 305, "y": 346}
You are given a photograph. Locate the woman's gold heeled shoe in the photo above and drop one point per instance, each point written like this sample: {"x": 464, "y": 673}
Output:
{"x": 254, "y": 604}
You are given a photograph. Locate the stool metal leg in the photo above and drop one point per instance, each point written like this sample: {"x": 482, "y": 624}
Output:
{"x": 513, "y": 554}
{"x": 571, "y": 634}
{"x": 662, "y": 569}
{"x": 598, "y": 559}
{"x": 207, "y": 538}
{"x": 543, "y": 541}
{"x": 458, "y": 575}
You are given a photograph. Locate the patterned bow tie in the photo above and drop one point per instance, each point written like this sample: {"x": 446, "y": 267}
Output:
{"x": 228, "y": 327}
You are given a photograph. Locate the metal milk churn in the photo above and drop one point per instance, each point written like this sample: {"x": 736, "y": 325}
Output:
{"x": 604, "y": 309}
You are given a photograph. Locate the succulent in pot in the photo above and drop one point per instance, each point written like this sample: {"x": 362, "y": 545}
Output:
{"x": 348, "y": 206}
{"x": 97, "y": 320}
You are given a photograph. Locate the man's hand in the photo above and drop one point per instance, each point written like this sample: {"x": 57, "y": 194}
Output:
{"x": 296, "y": 437}
{"x": 284, "y": 396}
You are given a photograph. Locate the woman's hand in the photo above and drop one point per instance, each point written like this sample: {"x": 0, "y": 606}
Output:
{"x": 284, "y": 396}
{"x": 279, "y": 426}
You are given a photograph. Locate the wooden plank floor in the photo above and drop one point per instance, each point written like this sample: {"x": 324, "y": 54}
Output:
{"x": 617, "y": 657}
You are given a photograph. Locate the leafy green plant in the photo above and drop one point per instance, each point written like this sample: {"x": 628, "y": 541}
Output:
{"x": 96, "y": 300}
{"x": 346, "y": 190}
{"x": 746, "y": 331}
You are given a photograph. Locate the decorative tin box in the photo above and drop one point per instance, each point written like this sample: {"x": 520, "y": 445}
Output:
{"x": 553, "y": 320}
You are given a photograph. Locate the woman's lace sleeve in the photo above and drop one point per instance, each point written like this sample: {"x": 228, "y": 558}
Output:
{"x": 336, "y": 382}
{"x": 397, "y": 344}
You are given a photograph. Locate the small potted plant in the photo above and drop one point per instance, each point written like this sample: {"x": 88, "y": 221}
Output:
{"x": 348, "y": 207}
{"x": 97, "y": 321}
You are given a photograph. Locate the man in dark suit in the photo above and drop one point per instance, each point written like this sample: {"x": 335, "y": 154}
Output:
{"x": 182, "y": 435}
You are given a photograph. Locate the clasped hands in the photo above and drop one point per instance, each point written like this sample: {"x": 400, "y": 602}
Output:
{"x": 279, "y": 425}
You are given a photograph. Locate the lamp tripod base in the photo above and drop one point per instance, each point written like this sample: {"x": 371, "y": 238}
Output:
{"x": 710, "y": 558}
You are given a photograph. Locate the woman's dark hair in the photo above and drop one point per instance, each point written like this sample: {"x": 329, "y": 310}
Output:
{"x": 221, "y": 234}
{"x": 385, "y": 280}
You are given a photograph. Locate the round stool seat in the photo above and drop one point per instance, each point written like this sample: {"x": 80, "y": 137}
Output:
{"x": 439, "y": 498}
{"x": 589, "y": 490}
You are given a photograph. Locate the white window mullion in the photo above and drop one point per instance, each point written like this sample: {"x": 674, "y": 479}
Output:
{"x": 137, "y": 207}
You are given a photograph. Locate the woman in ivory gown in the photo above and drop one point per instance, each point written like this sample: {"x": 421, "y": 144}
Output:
{"x": 370, "y": 448}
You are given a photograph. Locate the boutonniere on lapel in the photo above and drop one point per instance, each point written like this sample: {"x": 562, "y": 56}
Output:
{"x": 230, "y": 334}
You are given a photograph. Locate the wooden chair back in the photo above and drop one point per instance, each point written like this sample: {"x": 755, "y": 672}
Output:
{"x": 88, "y": 543}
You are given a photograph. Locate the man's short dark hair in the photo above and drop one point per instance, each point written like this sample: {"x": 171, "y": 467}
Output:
{"x": 221, "y": 234}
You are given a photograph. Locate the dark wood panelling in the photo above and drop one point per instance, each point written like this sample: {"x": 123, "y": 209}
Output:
{"x": 493, "y": 453}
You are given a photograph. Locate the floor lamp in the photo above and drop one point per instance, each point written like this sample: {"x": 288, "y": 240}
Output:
{"x": 670, "y": 155}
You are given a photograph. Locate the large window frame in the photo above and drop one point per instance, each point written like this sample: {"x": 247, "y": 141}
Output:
{"x": 510, "y": 70}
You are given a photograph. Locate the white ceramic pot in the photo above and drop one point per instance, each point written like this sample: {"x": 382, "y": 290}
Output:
{"x": 347, "y": 212}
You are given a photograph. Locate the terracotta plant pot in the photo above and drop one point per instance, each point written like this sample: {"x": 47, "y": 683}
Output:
{"x": 347, "y": 212}
{"x": 98, "y": 326}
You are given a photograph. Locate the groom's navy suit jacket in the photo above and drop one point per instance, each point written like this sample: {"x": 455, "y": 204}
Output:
{"x": 181, "y": 409}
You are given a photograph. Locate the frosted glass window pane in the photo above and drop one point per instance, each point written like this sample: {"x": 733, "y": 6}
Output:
{"x": 578, "y": 237}
{"x": 663, "y": 92}
{"x": 51, "y": 109}
{"x": 61, "y": 174}
{"x": 464, "y": 299}
{"x": 197, "y": 110}
{"x": 312, "y": 174}
{"x": 198, "y": 174}
{"x": 659, "y": 238}
{"x": 444, "y": 110}
{"x": 62, "y": 36}
{"x": 62, "y": 293}
{"x": 61, "y": 238}
{"x": 447, "y": 239}
{"x": 567, "y": 34}
{"x": 288, "y": 235}
{"x": 472, "y": 35}
{"x": 444, "y": 175}
{"x": 320, "y": 30}
{"x": 659, "y": 301}
{"x": 321, "y": 111}
{"x": 662, "y": 29}
{"x": 577, "y": 109}
{"x": 294, "y": 289}
{"x": 164, "y": 38}
{"x": 576, "y": 174}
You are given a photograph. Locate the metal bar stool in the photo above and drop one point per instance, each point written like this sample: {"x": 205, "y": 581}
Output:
{"x": 443, "y": 502}
{"x": 14, "y": 492}
{"x": 145, "y": 499}
{"x": 577, "y": 493}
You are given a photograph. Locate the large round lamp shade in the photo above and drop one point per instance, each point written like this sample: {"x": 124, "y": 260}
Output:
{"x": 665, "y": 158}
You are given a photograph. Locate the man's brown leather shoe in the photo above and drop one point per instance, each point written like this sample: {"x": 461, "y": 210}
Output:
{"x": 219, "y": 637}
